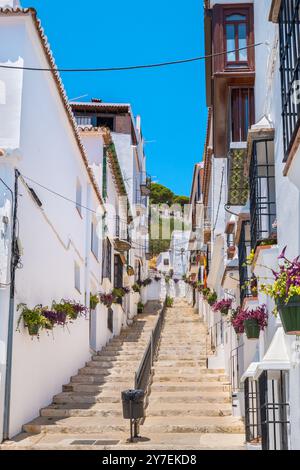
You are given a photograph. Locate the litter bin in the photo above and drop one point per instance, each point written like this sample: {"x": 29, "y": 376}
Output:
{"x": 133, "y": 404}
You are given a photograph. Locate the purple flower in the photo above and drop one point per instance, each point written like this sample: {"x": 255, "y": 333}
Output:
{"x": 282, "y": 254}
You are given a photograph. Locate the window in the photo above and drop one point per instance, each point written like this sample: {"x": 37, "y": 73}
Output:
{"x": 236, "y": 36}
{"x": 118, "y": 272}
{"x": 262, "y": 192}
{"x": 84, "y": 120}
{"x": 242, "y": 113}
{"x": 289, "y": 30}
{"x": 94, "y": 239}
{"x": 79, "y": 197}
{"x": 274, "y": 409}
{"x": 166, "y": 262}
{"x": 105, "y": 121}
{"x": 244, "y": 268}
{"x": 252, "y": 411}
{"x": 77, "y": 276}
{"x": 104, "y": 174}
{"x": 106, "y": 260}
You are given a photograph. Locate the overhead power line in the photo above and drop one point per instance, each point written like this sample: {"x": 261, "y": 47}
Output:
{"x": 129, "y": 67}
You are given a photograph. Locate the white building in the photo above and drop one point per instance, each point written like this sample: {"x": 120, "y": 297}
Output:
{"x": 52, "y": 213}
{"x": 252, "y": 140}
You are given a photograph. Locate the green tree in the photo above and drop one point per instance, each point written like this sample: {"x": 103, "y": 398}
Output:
{"x": 161, "y": 195}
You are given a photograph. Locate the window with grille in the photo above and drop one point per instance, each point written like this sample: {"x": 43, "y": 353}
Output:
{"x": 262, "y": 192}
{"x": 289, "y": 30}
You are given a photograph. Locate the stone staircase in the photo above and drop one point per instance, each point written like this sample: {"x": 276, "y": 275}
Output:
{"x": 89, "y": 408}
{"x": 189, "y": 404}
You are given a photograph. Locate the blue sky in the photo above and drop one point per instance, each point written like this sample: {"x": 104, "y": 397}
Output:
{"x": 171, "y": 101}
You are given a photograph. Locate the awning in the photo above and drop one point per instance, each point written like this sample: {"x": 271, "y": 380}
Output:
{"x": 250, "y": 372}
{"x": 276, "y": 358}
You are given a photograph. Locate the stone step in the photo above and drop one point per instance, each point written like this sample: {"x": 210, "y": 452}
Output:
{"x": 181, "y": 362}
{"x": 75, "y": 425}
{"x": 122, "y": 354}
{"x": 99, "y": 379}
{"x": 99, "y": 371}
{"x": 189, "y": 387}
{"x": 121, "y": 358}
{"x": 97, "y": 388}
{"x": 196, "y": 424}
{"x": 176, "y": 357}
{"x": 85, "y": 397}
{"x": 103, "y": 362}
{"x": 189, "y": 397}
{"x": 80, "y": 410}
{"x": 191, "y": 380}
{"x": 154, "y": 441}
{"x": 100, "y": 366}
{"x": 185, "y": 409}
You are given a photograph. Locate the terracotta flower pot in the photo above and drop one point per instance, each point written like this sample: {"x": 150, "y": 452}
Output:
{"x": 290, "y": 315}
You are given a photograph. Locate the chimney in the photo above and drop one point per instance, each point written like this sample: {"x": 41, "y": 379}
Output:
{"x": 9, "y": 3}
{"x": 96, "y": 100}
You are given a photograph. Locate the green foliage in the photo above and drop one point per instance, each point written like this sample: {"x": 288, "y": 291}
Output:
{"x": 169, "y": 302}
{"x": 161, "y": 195}
{"x": 33, "y": 319}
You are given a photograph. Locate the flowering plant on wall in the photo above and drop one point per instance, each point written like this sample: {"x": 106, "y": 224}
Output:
{"x": 286, "y": 281}
{"x": 107, "y": 299}
{"x": 211, "y": 297}
{"x": 222, "y": 306}
{"x": 257, "y": 316}
{"x": 70, "y": 308}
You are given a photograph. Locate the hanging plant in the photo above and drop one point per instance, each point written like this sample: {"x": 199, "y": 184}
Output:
{"x": 94, "y": 301}
{"x": 176, "y": 281}
{"x": 285, "y": 291}
{"x": 223, "y": 306}
{"x": 33, "y": 319}
{"x": 211, "y": 298}
{"x": 251, "y": 322}
{"x": 55, "y": 318}
{"x": 70, "y": 308}
{"x": 107, "y": 300}
{"x": 146, "y": 282}
{"x": 140, "y": 307}
{"x": 167, "y": 279}
{"x": 130, "y": 270}
{"x": 157, "y": 278}
{"x": 136, "y": 288}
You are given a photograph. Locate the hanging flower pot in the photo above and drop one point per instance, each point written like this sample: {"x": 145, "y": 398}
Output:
{"x": 252, "y": 329}
{"x": 290, "y": 315}
{"x": 33, "y": 330}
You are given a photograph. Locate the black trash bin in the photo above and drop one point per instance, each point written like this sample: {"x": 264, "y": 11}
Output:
{"x": 133, "y": 399}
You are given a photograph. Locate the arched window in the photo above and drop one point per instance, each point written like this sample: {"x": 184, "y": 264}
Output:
{"x": 236, "y": 35}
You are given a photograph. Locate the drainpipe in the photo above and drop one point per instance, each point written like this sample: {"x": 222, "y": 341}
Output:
{"x": 14, "y": 258}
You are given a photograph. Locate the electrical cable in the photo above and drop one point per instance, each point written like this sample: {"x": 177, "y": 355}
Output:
{"x": 129, "y": 67}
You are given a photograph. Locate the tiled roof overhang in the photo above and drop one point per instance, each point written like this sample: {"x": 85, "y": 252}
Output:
{"x": 60, "y": 87}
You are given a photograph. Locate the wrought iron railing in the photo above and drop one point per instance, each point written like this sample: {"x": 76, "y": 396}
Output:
{"x": 235, "y": 362}
{"x": 252, "y": 411}
{"x": 215, "y": 336}
{"x": 142, "y": 376}
{"x": 122, "y": 229}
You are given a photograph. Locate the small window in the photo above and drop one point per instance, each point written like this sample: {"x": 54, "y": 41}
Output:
{"x": 94, "y": 239}
{"x": 104, "y": 121}
{"x": 106, "y": 260}
{"x": 77, "y": 276}
{"x": 79, "y": 197}
{"x": 242, "y": 113}
{"x": 166, "y": 262}
{"x": 236, "y": 32}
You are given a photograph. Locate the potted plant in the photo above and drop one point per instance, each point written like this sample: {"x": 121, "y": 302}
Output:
{"x": 71, "y": 308}
{"x": 33, "y": 319}
{"x": 157, "y": 278}
{"x": 169, "y": 302}
{"x": 146, "y": 282}
{"x": 285, "y": 291}
{"x": 94, "y": 300}
{"x": 118, "y": 294}
{"x": 140, "y": 307}
{"x": 211, "y": 298}
{"x": 176, "y": 281}
{"x": 136, "y": 288}
{"x": 107, "y": 299}
{"x": 130, "y": 270}
{"x": 252, "y": 321}
{"x": 55, "y": 318}
{"x": 222, "y": 306}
